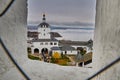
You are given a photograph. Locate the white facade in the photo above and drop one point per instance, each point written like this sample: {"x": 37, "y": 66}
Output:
{"x": 44, "y": 32}
{"x": 41, "y": 45}
{"x": 59, "y": 38}
{"x": 44, "y": 29}
{"x": 70, "y": 52}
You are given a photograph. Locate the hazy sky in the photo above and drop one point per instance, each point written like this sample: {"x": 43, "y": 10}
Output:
{"x": 61, "y": 11}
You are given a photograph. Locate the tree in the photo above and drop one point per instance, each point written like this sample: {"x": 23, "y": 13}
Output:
{"x": 62, "y": 54}
{"x": 78, "y": 57}
{"x": 90, "y": 44}
{"x": 29, "y": 50}
{"x": 56, "y": 55}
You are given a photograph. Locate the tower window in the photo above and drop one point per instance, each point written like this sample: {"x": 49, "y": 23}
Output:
{"x": 41, "y": 43}
{"x": 46, "y": 43}
{"x": 55, "y": 43}
{"x": 44, "y": 25}
{"x": 44, "y": 34}
{"x": 51, "y": 43}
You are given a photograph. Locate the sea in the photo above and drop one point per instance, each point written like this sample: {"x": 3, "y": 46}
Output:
{"x": 74, "y": 33}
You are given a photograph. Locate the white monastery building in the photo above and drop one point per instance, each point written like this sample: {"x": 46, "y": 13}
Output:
{"x": 43, "y": 40}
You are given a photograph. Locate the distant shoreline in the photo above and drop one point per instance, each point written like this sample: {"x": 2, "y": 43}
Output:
{"x": 29, "y": 27}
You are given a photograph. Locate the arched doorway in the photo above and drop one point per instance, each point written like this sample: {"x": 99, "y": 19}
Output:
{"x": 44, "y": 50}
{"x": 36, "y": 50}
{"x": 45, "y": 54}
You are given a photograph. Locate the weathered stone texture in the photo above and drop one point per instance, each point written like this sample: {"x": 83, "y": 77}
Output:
{"x": 13, "y": 33}
{"x": 107, "y": 37}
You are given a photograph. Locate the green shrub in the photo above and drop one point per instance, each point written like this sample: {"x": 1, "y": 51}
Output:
{"x": 61, "y": 61}
{"x": 54, "y": 60}
{"x": 29, "y": 50}
{"x": 33, "y": 57}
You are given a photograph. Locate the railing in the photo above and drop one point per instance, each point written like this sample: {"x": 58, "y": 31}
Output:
{"x": 13, "y": 60}
{"x": 104, "y": 69}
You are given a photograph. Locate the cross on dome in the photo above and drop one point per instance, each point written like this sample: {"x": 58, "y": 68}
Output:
{"x": 44, "y": 19}
{"x": 44, "y": 23}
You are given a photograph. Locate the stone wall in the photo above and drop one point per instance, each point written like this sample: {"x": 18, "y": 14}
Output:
{"x": 113, "y": 73}
{"x": 13, "y": 28}
{"x": 13, "y": 33}
{"x": 107, "y": 37}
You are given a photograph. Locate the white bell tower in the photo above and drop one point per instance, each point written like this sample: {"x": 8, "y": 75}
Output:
{"x": 44, "y": 29}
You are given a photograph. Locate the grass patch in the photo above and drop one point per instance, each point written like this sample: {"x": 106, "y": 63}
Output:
{"x": 61, "y": 61}
{"x": 33, "y": 57}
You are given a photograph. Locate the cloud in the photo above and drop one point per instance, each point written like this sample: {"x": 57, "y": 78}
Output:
{"x": 62, "y": 10}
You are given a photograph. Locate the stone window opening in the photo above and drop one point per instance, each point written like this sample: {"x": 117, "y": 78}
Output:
{"x": 44, "y": 34}
{"x": 41, "y": 43}
{"x": 55, "y": 43}
{"x": 46, "y": 43}
{"x": 36, "y": 50}
{"x": 51, "y": 43}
